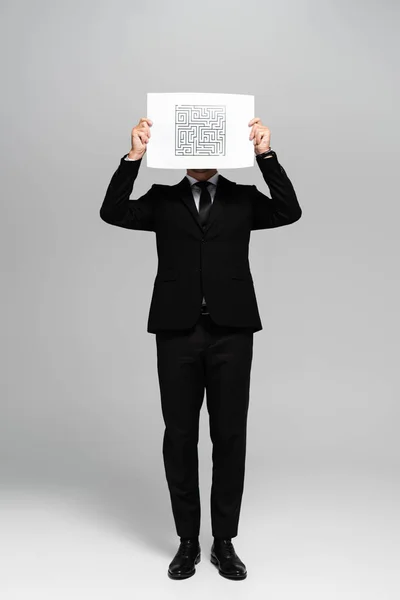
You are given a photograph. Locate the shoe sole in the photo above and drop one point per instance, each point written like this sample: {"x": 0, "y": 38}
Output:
{"x": 185, "y": 575}
{"x": 215, "y": 562}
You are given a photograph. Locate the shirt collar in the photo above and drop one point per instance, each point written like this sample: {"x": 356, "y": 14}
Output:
{"x": 213, "y": 179}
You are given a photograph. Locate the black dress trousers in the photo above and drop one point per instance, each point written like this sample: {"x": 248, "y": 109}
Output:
{"x": 216, "y": 360}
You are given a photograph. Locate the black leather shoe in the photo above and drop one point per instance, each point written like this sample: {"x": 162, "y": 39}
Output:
{"x": 229, "y": 565}
{"x": 183, "y": 564}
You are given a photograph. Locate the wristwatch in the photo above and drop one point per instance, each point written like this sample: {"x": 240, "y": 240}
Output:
{"x": 267, "y": 153}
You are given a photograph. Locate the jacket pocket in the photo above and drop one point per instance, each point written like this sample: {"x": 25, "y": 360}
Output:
{"x": 241, "y": 275}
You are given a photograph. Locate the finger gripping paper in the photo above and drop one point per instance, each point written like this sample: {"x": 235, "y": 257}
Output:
{"x": 195, "y": 130}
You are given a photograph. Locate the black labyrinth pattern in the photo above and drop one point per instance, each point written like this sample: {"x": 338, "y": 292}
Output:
{"x": 200, "y": 130}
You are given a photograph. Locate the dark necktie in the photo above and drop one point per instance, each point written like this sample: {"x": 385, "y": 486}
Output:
{"x": 205, "y": 201}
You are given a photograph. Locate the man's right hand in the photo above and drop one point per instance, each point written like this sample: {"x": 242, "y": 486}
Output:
{"x": 140, "y": 136}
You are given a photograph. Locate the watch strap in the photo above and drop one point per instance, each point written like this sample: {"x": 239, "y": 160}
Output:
{"x": 267, "y": 153}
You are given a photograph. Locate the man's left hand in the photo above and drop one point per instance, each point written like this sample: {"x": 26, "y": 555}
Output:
{"x": 261, "y": 136}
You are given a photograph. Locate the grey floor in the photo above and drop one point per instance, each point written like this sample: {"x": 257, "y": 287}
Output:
{"x": 322, "y": 537}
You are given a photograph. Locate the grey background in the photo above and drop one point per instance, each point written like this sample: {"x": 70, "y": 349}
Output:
{"x": 85, "y": 505}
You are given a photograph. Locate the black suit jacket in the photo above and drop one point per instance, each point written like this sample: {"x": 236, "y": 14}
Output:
{"x": 193, "y": 260}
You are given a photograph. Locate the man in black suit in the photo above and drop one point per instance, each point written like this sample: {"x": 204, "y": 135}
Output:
{"x": 204, "y": 314}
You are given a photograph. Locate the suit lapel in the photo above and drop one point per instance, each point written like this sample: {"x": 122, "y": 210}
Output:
{"x": 216, "y": 210}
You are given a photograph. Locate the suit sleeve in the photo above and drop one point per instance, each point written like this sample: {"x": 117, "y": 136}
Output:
{"x": 283, "y": 207}
{"x": 117, "y": 209}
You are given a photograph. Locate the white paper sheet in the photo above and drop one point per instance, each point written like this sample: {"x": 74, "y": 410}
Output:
{"x": 200, "y": 131}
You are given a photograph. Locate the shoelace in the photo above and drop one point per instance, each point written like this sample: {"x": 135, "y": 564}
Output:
{"x": 183, "y": 549}
{"x": 228, "y": 547}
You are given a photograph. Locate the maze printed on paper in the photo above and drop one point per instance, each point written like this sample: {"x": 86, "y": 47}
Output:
{"x": 200, "y": 130}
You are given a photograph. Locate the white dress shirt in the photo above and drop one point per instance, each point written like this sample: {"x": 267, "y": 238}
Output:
{"x": 196, "y": 191}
